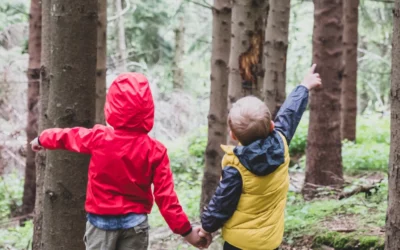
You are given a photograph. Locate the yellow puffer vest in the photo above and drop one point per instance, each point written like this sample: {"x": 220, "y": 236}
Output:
{"x": 258, "y": 222}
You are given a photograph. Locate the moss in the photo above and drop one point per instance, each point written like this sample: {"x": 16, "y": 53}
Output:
{"x": 349, "y": 241}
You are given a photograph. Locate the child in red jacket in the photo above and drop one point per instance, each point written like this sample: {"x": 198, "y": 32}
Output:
{"x": 124, "y": 163}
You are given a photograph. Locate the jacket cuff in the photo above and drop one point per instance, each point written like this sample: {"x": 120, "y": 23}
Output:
{"x": 38, "y": 139}
{"x": 188, "y": 232}
{"x": 302, "y": 86}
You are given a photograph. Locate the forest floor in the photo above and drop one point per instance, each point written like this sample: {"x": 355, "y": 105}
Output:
{"x": 353, "y": 223}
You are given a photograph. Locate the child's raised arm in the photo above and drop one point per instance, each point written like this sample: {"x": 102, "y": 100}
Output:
{"x": 76, "y": 139}
{"x": 292, "y": 110}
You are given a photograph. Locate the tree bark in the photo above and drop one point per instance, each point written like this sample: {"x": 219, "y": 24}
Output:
{"x": 177, "y": 70}
{"x": 393, "y": 211}
{"x": 245, "y": 61}
{"x": 349, "y": 82}
{"x": 34, "y": 48}
{"x": 324, "y": 159}
{"x": 43, "y": 123}
{"x": 217, "y": 117}
{"x": 101, "y": 61}
{"x": 71, "y": 103}
{"x": 121, "y": 65}
{"x": 275, "y": 50}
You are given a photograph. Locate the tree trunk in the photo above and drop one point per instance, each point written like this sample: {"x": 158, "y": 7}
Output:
{"x": 34, "y": 47}
{"x": 71, "y": 103}
{"x": 349, "y": 82}
{"x": 121, "y": 65}
{"x": 43, "y": 123}
{"x": 177, "y": 70}
{"x": 246, "y": 55}
{"x": 101, "y": 61}
{"x": 217, "y": 124}
{"x": 275, "y": 50}
{"x": 393, "y": 211}
{"x": 245, "y": 61}
{"x": 324, "y": 159}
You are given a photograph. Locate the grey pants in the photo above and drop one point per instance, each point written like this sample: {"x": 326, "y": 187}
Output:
{"x": 136, "y": 238}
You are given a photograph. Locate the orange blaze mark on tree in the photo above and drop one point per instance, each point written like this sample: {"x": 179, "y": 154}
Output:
{"x": 249, "y": 61}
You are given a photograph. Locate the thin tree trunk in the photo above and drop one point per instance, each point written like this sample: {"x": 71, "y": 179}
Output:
{"x": 121, "y": 65}
{"x": 275, "y": 50}
{"x": 71, "y": 103}
{"x": 217, "y": 124}
{"x": 101, "y": 61}
{"x": 393, "y": 211}
{"x": 349, "y": 82}
{"x": 177, "y": 70}
{"x": 324, "y": 159}
{"x": 245, "y": 61}
{"x": 34, "y": 47}
{"x": 43, "y": 123}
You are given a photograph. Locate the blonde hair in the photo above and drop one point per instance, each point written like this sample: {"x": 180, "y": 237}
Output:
{"x": 249, "y": 119}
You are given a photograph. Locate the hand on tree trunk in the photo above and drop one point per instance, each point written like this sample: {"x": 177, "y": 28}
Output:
{"x": 36, "y": 145}
{"x": 312, "y": 79}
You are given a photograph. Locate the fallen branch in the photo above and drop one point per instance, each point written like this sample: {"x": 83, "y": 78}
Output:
{"x": 361, "y": 189}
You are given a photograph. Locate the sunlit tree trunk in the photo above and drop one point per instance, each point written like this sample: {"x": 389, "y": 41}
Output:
{"x": 275, "y": 50}
{"x": 324, "y": 159}
{"x": 393, "y": 211}
{"x": 122, "y": 55}
{"x": 101, "y": 61}
{"x": 34, "y": 48}
{"x": 73, "y": 36}
{"x": 217, "y": 125}
{"x": 349, "y": 81}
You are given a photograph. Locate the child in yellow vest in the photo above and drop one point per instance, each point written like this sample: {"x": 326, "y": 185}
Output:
{"x": 250, "y": 200}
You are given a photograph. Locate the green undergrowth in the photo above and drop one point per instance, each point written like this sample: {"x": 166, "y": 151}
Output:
{"x": 370, "y": 152}
{"x": 325, "y": 220}
{"x": 349, "y": 241}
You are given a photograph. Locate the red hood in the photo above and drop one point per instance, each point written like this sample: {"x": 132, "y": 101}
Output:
{"x": 129, "y": 103}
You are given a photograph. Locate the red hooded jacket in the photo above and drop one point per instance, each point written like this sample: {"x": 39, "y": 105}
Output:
{"x": 125, "y": 161}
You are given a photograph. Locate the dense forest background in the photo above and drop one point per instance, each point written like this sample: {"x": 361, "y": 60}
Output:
{"x": 170, "y": 42}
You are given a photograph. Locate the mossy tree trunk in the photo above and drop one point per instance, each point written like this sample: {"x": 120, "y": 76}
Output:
{"x": 217, "y": 124}
{"x": 71, "y": 103}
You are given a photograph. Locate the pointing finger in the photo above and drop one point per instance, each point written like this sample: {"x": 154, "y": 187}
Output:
{"x": 313, "y": 68}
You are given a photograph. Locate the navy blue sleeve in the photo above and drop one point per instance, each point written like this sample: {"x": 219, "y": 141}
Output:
{"x": 224, "y": 202}
{"x": 289, "y": 115}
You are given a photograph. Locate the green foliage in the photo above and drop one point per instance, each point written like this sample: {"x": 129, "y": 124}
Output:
{"x": 299, "y": 141}
{"x": 312, "y": 218}
{"x": 365, "y": 157}
{"x": 17, "y": 238}
{"x": 12, "y": 12}
{"x": 11, "y": 189}
{"x": 187, "y": 159}
{"x": 14, "y": 237}
{"x": 342, "y": 241}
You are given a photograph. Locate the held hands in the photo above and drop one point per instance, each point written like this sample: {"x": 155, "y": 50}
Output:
{"x": 199, "y": 239}
{"x": 35, "y": 145}
{"x": 312, "y": 80}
